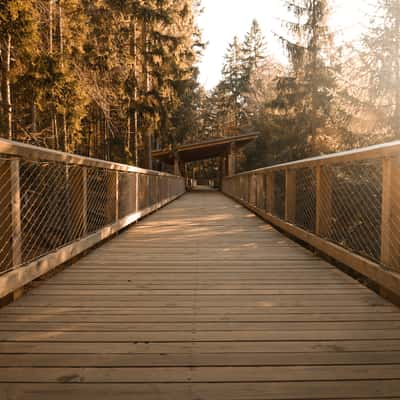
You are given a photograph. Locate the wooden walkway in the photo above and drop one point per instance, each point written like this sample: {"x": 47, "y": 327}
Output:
{"x": 200, "y": 301}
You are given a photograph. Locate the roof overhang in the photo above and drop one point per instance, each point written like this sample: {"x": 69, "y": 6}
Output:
{"x": 204, "y": 150}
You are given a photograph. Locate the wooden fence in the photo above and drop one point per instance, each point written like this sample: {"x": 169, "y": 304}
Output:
{"x": 346, "y": 205}
{"x": 54, "y": 206}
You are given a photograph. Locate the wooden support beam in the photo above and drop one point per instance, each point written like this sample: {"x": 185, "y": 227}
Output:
{"x": 16, "y": 213}
{"x": 10, "y": 218}
{"x": 252, "y": 189}
{"x": 116, "y": 196}
{"x": 390, "y": 224}
{"x": 290, "y": 195}
{"x": 6, "y": 254}
{"x": 324, "y": 201}
{"x": 77, "y": 177}
{"x": 270, "y": 181}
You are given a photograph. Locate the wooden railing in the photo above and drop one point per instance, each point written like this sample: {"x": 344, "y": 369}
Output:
{"x": 346, "y": 205}
{"x": 54, "y": 206}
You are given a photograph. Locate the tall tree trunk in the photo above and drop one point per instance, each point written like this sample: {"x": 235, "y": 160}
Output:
{"x": 133, "y": 115}
{"x": 51, "y": 26}
{"x": 60, "y": 29}
{"x": 6, "y": 87}
{"x": 147, "y": 123}
{"x": 314, "y": 88}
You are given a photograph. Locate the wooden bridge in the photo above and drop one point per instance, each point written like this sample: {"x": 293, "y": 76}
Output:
{"x": 202, "y": 299}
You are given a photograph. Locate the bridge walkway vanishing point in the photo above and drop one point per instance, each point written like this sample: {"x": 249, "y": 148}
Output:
{"x": 201, "y": 300}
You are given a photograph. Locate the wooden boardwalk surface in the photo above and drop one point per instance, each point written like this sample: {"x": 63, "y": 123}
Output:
{"x": 200, "y": 301}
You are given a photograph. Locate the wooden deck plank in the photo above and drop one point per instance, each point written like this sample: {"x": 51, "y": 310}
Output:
{"x": 201, "y": 300}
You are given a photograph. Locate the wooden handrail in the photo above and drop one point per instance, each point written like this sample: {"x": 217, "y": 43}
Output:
{"x": 56, "y": 206}
{"x": 367, "y": 153}
{"x": 349, "y": 208}
{"x": 35, "y": 153}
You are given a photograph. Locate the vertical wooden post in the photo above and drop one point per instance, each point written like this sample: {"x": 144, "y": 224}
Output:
{"x": 136, "y": 192}
{"x": 270, "y": 180}
{"x": 10, "y": 218}
{"x": 116, "y": 196}
{"x": 84, "y": 201}
{"x": 77, "y": 184}
{"x": 249, "y": 181}
{"x": 390, "y": 224}
{"x": 323, "y": 217}
{"x": 290, "y": 195}
{"x": 16, "y": 213}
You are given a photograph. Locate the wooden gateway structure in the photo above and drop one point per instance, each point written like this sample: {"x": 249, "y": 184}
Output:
{"x": 204, "y": 298}
{"x": 225, "y": 149}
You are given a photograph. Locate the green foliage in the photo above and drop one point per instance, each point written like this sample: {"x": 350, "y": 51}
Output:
{"x": 94, "y": 76}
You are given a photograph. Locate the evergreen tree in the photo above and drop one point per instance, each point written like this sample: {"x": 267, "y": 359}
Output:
{"x": 381, "y": 64}
{"x": 17, "y": 33}
{"x": 254, "y": 52}
{"x": 309, "y": 88}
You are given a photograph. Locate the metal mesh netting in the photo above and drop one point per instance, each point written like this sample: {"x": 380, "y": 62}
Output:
{"x": 279, "y": 194}
{"x": 261, "y": 192}
{"x": 6, "y": 261}
{"x": 127, "y": 185}
{"x": 354, "y": 203}
{"x": 306, "y": 198}
{"x": 45, "y": 206}
{"x": 101, "y": 207}
{"x": 47, "y": 203}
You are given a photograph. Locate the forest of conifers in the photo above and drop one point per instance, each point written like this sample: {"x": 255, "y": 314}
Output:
{"x": 98, "y": 77}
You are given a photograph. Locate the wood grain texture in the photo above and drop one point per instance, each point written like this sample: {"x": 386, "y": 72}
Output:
{"x": 201, "y": 300}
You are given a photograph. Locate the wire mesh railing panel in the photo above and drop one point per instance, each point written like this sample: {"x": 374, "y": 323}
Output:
{"x": 143, "y": 191}
{"x": 261, "y": 192}
{"x": 127, "y": 193}
{"x": 101, "y": 198}
{"x": 6, "y": 257}
{"x": 306, "y": 198}
{"x": 356, "y": 203}
{"x": 390, "y": 253}
{"x": 252, "y": 189}
{"x": 45, "y": 204}
{"x": 58, "y": 205}
{"x": 279, "y": 194}
{"x": 351, "y": 199}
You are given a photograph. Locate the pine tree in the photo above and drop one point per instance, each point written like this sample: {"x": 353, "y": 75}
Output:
{"x": 231, "y": 86}
{"x": 254, "y": 52}
{"x": 312, "y": 81}
{"x": 17, "y": 25}
{"x": 381, "y": 64}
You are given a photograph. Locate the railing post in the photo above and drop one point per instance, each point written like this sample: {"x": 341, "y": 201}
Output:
{"x": 16, "y": 213}
{"x": 290, "y": 195}
{"x": 390, "y": 224}
{"x": 77, "y": 177}
{"x": 270, "y": 180}
{"x": 10, "y": 217}
{"x": 84, "y": 201}
{"x": 136, "y": 192}
{"x": 323, "y": 218}
{"x": 116, "y": 196}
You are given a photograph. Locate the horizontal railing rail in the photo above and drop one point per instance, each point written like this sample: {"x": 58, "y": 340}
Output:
{"x": 54, "y": 206}
{"x": 346, "y": 205}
